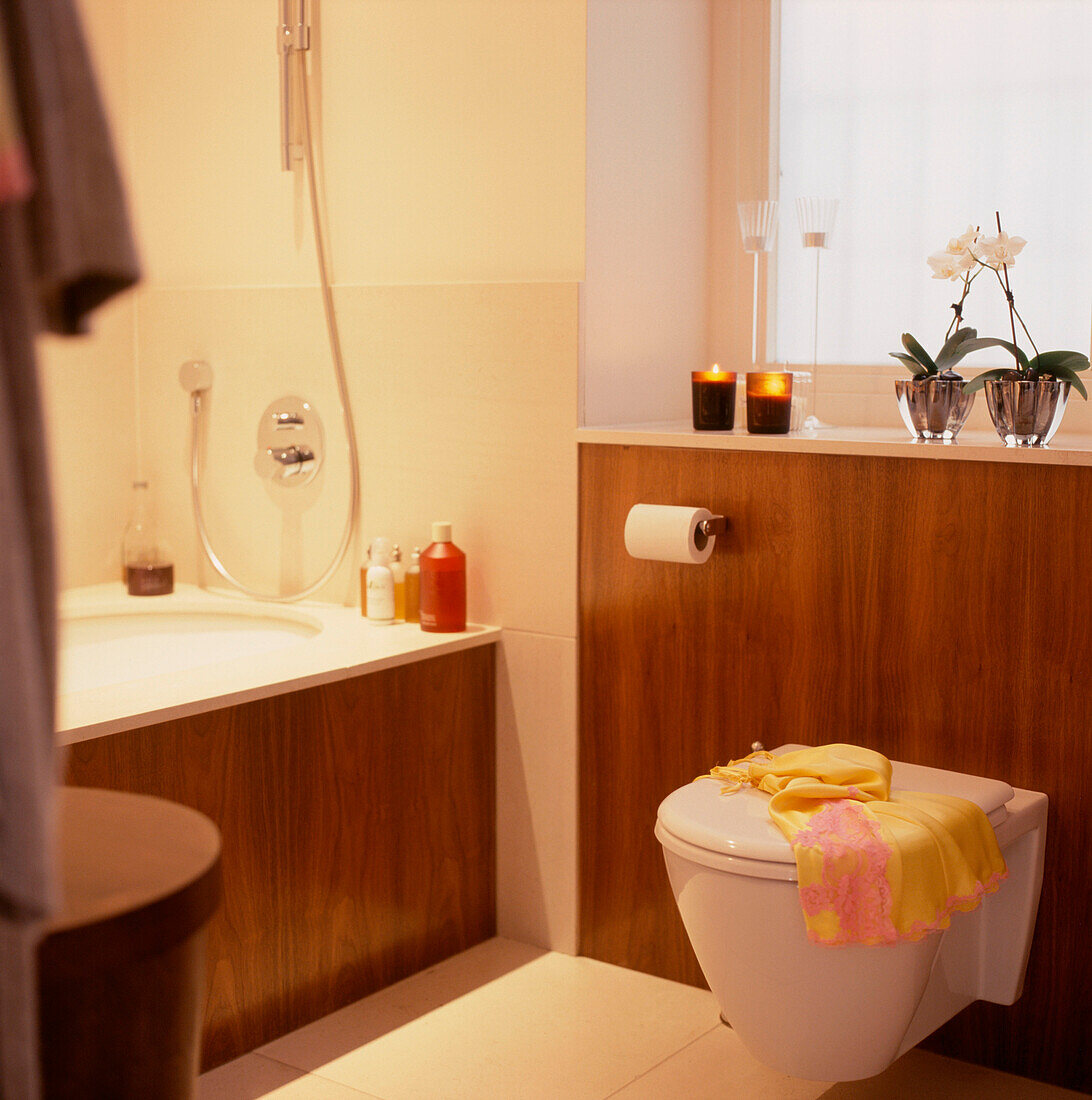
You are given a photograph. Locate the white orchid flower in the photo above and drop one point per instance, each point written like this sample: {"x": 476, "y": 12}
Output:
{"x": 959, "y": 246}
{"x": 946, "y": 266}
{"x": 1002, "y": 249}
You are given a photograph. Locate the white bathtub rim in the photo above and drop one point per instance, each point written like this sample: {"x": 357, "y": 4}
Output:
{"x": 346, "y": 645}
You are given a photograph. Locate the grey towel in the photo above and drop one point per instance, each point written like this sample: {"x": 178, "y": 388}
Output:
{"x": 63, "y": 251}
{"x": 82, "y": 250}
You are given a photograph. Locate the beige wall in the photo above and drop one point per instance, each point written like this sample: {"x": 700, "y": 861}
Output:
{"x": 645, "y": 290}
{"x": 451, "y": 134}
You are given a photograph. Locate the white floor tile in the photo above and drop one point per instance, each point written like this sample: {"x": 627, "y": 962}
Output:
{"x": 715, "y": 1066}
{"x": 352, "y": 1028}
{"x": 504, "y": 1021}
{"x": 253, "y": 1076}
{"x": 555, "y": 1026}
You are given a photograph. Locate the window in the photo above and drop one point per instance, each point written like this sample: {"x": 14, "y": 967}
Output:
{"x": 921, "y": 116}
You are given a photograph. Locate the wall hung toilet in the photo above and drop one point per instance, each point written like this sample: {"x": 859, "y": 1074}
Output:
{"x": 840, "y": 1013}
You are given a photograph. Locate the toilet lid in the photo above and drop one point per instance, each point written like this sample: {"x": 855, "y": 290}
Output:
{"x": 739, "y": 824}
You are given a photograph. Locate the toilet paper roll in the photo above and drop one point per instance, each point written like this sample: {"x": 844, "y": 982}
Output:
{"x": 663, "y": 532}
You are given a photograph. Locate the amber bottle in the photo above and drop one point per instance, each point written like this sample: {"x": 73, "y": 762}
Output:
{"x": 443, "y": 583}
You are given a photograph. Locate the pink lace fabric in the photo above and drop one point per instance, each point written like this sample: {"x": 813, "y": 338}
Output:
{"x": 843, "y": 850}
{"x": 852, "y": 881}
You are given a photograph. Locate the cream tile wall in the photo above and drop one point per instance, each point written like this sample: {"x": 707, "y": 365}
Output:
{"x": 464, "y": 401}
{"x": 451, "y": 134}
{"x": 89, "y": 393}
{"x": 536, "y": 792}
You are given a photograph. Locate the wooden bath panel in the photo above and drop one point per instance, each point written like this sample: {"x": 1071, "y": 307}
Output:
{"x": 940, "y": 612}
{"x": 358, "y": 835}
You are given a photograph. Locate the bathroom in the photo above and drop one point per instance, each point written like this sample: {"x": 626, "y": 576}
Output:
{"x": 467, "y": 206}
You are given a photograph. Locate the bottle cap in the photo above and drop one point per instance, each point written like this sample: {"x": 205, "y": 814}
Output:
{"x": 381, "y": 551}
{"x": 441, "y": 532}
{"x": 396, "y": 554}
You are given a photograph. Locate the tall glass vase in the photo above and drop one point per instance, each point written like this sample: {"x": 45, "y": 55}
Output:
{"x": 816, "y": 219}
{"x": 758, "y": 228}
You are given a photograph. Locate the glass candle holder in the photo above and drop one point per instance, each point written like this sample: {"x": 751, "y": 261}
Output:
{"x": 801, "y": 399}
{"x": 769, "y": 402}
{"x": 713, "y": 398}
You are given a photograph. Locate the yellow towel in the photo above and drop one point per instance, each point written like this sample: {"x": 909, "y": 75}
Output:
{"x": 873, "y": 868}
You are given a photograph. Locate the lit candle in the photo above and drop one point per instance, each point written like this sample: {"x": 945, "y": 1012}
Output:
{"x": 713, "y": 397}
{"x": 769, "y": 402}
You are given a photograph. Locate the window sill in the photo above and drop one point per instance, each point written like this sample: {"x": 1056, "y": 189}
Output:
{"x": 973, "y": 446}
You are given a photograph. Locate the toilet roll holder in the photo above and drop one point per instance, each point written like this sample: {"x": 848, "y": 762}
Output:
{"x": 709, "y": 528}
{"x": 671, "y": 532}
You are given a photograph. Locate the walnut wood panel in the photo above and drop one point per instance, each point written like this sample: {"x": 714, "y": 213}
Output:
{"x": 357, "y": 821}
{"x": 940, "y": 612}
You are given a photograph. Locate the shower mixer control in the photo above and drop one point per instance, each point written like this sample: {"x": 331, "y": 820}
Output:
{"x": 295, "y": 460}
{"x": 299, "y": 461}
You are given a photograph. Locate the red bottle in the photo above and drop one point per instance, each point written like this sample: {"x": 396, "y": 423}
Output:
{"x": 443, "y": 584}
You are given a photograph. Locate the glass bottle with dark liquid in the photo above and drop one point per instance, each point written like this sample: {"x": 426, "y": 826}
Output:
{"x": 146, "y": 567}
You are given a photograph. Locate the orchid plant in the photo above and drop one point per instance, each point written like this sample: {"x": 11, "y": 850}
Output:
{"x": 966, "y": 257}
{"x": 958, "y": 263}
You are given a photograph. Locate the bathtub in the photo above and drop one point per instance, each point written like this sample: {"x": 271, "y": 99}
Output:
{"x": 129, "y": 661}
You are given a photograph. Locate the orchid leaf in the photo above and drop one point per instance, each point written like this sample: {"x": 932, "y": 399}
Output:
{"x": 919, "y": 353}
{"x": 953, "y": 351}
{"x": 912, "y": 365}
{"x": 1065, "y": 374}
{"x": 977, "y": 383}
{"x": 993, "y": 342}
{"x": 1048, "y": 362}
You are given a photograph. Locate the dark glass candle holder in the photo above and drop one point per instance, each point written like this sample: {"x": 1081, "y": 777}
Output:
{"x": 713, "y": 397}
{"x": 769, "y": 402}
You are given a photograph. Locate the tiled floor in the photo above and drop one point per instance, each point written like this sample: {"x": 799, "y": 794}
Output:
{"x": 504, "y": 1021}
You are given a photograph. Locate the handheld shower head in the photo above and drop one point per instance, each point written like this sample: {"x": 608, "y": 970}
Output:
{"x": 195, "y": 376}
{"x": 293, "y": 36}
{"x": 295, "y": 29}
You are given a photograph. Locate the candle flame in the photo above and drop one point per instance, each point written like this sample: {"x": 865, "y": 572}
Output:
{"x": 769, "y": 384}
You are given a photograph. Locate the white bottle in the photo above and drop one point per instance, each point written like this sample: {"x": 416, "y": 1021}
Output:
{"x": 379, "y": 584}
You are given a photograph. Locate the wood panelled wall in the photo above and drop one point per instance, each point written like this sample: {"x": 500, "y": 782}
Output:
{"x": 938, "y": 611}
{"x": 357, "y": 821}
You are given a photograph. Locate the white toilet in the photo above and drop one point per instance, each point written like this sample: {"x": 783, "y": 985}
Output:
{"x": 840, "y": 1013}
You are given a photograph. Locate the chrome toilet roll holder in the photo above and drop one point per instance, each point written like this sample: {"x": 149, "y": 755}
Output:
{"x": 710, "y": 528}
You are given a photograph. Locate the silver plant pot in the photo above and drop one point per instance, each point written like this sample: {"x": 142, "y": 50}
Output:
{"x": 933, "y": 408}
{"x": 1026, "y": 414}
